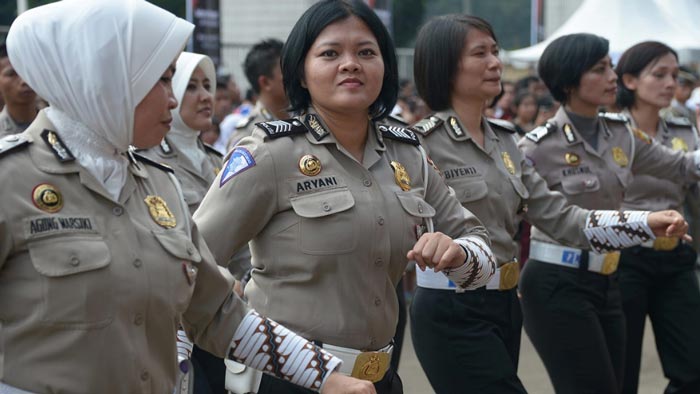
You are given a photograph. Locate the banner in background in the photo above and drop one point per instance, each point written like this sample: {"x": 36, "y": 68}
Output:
{"x": 206, "y": 39}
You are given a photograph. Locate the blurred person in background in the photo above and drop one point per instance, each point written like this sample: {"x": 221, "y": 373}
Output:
{"x": 20, "y": 100}
{"x": 687, "y": 81}
{"x": 525, "y": 109}
{"x": 658, "y": 279}
{"x": 504, "y": 103}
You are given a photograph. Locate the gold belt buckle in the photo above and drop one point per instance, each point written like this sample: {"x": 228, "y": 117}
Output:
{"x": 665, "y": 243}
{"x": 371, "y": 366}
{"x": 610, "y": 262}
{"x": 510, "y": 273}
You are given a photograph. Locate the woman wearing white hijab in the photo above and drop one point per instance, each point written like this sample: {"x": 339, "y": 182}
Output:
{"x": 99, "y": 260}
{"x": 195, "y": 164}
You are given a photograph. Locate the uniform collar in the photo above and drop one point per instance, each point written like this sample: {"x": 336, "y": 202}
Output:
{"x": 456, "y": 129}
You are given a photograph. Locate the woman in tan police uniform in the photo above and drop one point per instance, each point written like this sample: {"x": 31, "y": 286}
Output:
{"x": 658, "y": 278}
{"x": 335, "y": 203}
{"x": 99, "y": 260}
{"x": 480, "y": 160}
{"x": 571, "y": 298}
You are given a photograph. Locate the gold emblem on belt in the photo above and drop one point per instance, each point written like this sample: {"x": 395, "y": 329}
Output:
{"x": 510, "y": 273}
{"x": 610, "y": 263}
{"x": 401, "y": 176}
{"x": 160, "y": 212}
{"x": 665, "y": 243}
{"x": 371, "y": 366}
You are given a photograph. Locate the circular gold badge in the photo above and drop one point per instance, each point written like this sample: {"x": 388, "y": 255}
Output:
{"x": 47, "y": 198}
{"x": 572, "y": 159}
{"x": 310, "y": 165}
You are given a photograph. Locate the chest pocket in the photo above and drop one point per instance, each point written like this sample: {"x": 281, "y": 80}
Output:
{"x": 327, "y": 223}
{"x": 580, "y": 184}
{"x": 77, "y": 290}
{"x": 180, "y": 274}
{"x": 469, "y": 189}
{"x": 419, "y": 213}
{"x": 520, "y": 188}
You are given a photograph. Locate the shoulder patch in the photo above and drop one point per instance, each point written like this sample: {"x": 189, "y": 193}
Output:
{"x": 427, "y": 125}
{"x": 615, "y": 117}
{"x": 397, "y": 133}
{"x": 679, "y": 121}
{"x": 539, "y": 133}
{"x": 641, "y": 135}
{"x": 281, "y": 128}
{"x": 398, "y": 119}
{"x": 314, "y": 125}
{"x": 212, "y": 150}
{"x": 146, "y": 160}
{"x": 59, "y": 149}
{"x": 240, "y": 160}
{"x": 11, "y": 142}
{"x": 243, "y": 123}
{"x": 502, "y": 124}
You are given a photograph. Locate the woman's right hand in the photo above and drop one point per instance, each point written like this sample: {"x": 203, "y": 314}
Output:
{"x": 668, "y": 223}
{"x": 337, "y": 383}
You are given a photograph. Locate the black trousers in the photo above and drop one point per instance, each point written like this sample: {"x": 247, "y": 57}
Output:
{"x": 400, "y": 327}
{"x": 575, "y": 321}
{"x": 209, "y": 372}
{"x": 390, "y": 384}
{"x": 468, "y": 342}
{"x": 662, "y": 285}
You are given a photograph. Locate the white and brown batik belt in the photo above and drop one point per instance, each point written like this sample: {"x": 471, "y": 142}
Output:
{"x": 505, "y": 278}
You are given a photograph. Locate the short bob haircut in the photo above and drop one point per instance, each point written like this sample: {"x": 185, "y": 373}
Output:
{"x": 308, "y": 28}
{"x": 567, "y": 58}
{"x": 439, "y": 47}
{"x": 261, "y": 61}
{"x": 633, "y": 61}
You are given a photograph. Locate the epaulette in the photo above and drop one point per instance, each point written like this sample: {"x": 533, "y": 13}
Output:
{"x": 398, "y": 119}
{"x": 426, "y": 125}
{"x": 398, "y": 133}
{"x": 281, "y": 128}
{"x": 211, "y": 149}
{"x": 502, "y": 124}
{"x": 678, "y": 121}
{"x": 539, "y": 133}
{"x": 150, "y": 162}
{"x": 12, "y": 141}
{"x": 244, "y": 122}
{"x": 165, "y": 147}
{"x": 614, "y": 116}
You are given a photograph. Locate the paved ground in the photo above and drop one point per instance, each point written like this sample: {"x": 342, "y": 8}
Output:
{"x": 532, "y": 372}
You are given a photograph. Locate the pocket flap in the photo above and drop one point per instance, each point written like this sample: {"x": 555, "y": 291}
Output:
{"x": 578, "y": 185}
{"x": 471, "y": 190}
{"x": 62, "y": 256}
{"x": 323, "y": 203}
{"x": 415, "y": 205}
{"x": 177, "y": 244}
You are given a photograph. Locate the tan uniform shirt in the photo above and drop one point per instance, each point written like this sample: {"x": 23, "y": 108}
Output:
{"x": 7, "y": 125}
{"x": 91, "y": 289}
{"x": 245, "y": 126}
{"x": 194, "y": 182}
{"x": 497, "y": 184}
{"x": 648, "y": 192}
{"x": 329, "y": 235}
{"x": 598, "y": 179}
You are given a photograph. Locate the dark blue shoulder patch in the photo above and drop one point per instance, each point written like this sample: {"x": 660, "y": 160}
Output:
{"x": 398, "y": 133}
{"x": 502, "y": 125}
{"x": 427, "y": 125}
{"x": 281, "y": 128}
{"x": 614, "y": 116}
{"x": 539, "y": 133}
{"x": 146, "y": 160}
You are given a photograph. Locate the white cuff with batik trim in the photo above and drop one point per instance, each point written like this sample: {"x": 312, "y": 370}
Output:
{"x": 614, "y": 230}
{"x": 267, "y": 346}
{"x": 184, "y": 346}
{"x": 478, "y": 267}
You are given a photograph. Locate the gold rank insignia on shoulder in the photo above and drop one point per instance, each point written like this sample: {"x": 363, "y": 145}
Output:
{"x": 679, "y": 144}
{"x": 310, "y": 165}
{"x": 641, "y": 135}
{"x": 508, "y": 163}
{"x": 160, "y": 212}
{"x": 569, "y": 133}
{"x": 47, "y": 198}
{"x": 401, "y": 176}
{"x": 620, "y": 157}
{"x": 59, "y": 149}
{"x": 572, "y": 159}
{"x": 454, "y": 124}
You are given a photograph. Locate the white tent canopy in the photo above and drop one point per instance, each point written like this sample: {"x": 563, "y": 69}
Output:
{"x": 628, "y": 22}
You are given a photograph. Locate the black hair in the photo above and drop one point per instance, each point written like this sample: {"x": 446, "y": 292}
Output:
{"x": 521, "y": 95}
{"x": 439, "y": 48}
{"x": 633, "y": 61}
{"x": 3, "y": 51}
{"x": 567, "y": 58}
{"x": 261, "y": 60}
{"x": 308, "y": 28}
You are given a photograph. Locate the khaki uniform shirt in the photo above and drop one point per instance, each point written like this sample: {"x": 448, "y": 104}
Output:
{"x": 91, "y": 289}
{"x": 7, "y": 125}
{"x": 497, "y": 184}
{"x": 194, "y": 182}
{"x": 647, "y": 192}
{"x": 598, "y": 179}
{"x": 245, "y": 126}
{"x": 329, "y": 235}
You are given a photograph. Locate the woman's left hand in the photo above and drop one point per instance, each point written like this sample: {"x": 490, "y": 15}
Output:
{"x": 437, "y": 251}
{"x": 668, "y": 223}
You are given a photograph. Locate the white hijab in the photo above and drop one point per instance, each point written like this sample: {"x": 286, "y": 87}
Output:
{"x": 181, "y": 135}
{"x": 94, "y": 61}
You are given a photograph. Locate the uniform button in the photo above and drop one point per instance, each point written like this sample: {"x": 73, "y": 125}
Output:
{"x": 117, "y": 211}
{"x": 138, "y": 319}
{"x": 378, "y": 262}
{"x": 589, "y": 183}
{"x": 326, "y": 206}
{"x": 145, "y": 375}
{"x": 380, "y": 220}
{"x": 367, "y": 182}
{"x": 420, "y": 208}
{"x": 137, "y": 263}
{"x": 190, "y": 250}
{"x": 74, "y": 261}
{"x": 377, "y": 301}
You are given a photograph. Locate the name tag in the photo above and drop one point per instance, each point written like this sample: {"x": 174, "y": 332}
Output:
{"x": 47, "y": 225}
